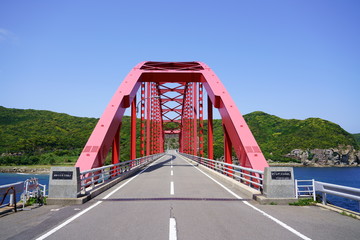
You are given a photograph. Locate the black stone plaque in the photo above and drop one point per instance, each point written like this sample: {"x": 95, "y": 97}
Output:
{"x": 62, "y": 175}
{"x": 281, "y": 175}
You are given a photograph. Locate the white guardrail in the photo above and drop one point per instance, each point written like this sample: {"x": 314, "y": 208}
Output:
{"x": 28, "y": 188}
{"x": 311, "y": 187}
{"x": 95, "y": 177}
{"x": 248, "y": 176}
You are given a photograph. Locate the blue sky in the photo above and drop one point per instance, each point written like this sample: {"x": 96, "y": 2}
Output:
{"x": 294, "y": 59}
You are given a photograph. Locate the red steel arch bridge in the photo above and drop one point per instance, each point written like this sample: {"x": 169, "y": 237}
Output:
{"x": 171, "y": 102}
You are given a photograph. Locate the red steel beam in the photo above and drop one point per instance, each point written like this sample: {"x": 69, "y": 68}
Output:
{"x": 133, "y": 130}
{"x": 210, "y": 144}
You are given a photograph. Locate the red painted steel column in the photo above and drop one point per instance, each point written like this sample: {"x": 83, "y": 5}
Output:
{"x": 210, "y": 147}
{"x": 133, "y": 130}
{"x": 116, "y": 147}
{"x": 227, "y": 149}
{"x": 148, "y": 118}
{"x": 195, "y": 134}
{"x": 201, "y": 121}
{"x": 115, "y": 154}
{"x": 142, "y": 121}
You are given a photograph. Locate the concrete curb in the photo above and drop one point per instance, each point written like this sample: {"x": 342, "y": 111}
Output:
{"x": 339, "y": 210}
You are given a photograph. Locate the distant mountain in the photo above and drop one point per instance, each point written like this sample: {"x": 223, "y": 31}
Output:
{"x": 43, "y": 137}
{"x": 278, "y": 137}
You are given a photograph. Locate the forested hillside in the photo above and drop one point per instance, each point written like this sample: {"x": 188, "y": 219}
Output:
{"x": 41, "y": 137}
{"x": 278, "y": 136}
{"x": 45, "y": 137}
{"x": 357, "y": 137}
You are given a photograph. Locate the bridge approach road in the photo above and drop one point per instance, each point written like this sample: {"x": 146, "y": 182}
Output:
{"x": 173, "y": 199}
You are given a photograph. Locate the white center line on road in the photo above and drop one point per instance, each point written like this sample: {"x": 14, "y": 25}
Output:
{"x": 172, "y": 188}
{"x": 284, "y": 225}
{"x": 172, "y": 173}
{"x": 55, "y": 229}
{"x": 172, "y": 229}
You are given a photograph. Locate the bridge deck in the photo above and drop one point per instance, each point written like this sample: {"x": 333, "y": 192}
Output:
{"x": 142, "y": 208}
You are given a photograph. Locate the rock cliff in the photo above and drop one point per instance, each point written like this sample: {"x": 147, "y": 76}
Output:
{"x": 340, "y": 156}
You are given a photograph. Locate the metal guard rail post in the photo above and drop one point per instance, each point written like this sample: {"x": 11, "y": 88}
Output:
{"x": 96, "y": 176}
{"x": 242, "y": 174}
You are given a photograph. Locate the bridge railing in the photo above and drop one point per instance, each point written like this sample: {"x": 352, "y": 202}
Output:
{"x": 337, "y": 190}
{"x": 305, "y": 188}
{"x": 313, "y": 187}
{"x": 95, "y": 177}
{"x": 25, "y": 189}
{"x": 10, "y": 190}
{"x": 251, "y": 177}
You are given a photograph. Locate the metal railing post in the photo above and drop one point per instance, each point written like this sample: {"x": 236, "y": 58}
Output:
{"x": 313, "y": 187}
{"x": 324, "y": 198}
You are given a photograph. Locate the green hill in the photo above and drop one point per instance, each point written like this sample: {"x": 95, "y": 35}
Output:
{"x": 357, "y": 137}
{"x": 277, "y": 136}
{"x": 40, "y": 137}
{"x": 45, "y": 137}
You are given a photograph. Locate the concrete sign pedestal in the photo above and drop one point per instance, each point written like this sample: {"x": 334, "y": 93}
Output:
{"x": 279, "y": 182}
{"x": 64, "y": 182}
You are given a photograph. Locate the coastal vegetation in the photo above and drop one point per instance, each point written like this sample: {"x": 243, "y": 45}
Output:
{"x": 29, "y": 137}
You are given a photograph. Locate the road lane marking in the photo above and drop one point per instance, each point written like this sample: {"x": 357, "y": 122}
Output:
{"x": 172, "y": 188}
{"x": 92, "y": 206}
{"x": 172, "y": 229}
{"x": 172, "y": 173}
{"x": 67, "y": 222}
{"x": 284, "y": 225}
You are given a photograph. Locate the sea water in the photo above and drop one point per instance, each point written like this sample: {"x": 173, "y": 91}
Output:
{"x": 345, "y": 176}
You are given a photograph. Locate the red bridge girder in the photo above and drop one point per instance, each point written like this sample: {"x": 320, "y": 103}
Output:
{"x": 188, "y": 81}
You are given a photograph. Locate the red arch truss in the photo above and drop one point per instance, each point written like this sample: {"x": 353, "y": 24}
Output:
{"x": 183, "y": 85}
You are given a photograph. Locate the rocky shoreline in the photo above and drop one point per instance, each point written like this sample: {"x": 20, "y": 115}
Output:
{"x": 294, "y": 164}
{"x": 343, "y": 156}
{"x": 25, "y": 169}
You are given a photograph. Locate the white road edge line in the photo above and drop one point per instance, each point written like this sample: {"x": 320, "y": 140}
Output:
{"x": 172, "y": 188}
{"x": 284, "y": 225}
{"x": 172, "y": 229}
{"x": 91, "y": 207}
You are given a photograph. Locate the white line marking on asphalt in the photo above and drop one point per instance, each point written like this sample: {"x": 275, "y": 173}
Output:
{"x": 172, "y": 172}
{"x": 284, "y": 225}
{"x": 91, "y": 207}
{"x": 67, "y": 221}
{"x": 172, "y": 188}
{"x": 172, "y": 229}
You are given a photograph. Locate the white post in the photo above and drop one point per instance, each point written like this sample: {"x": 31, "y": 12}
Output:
{"x": 11, "y": 202}
{"x": 296, "y": 189}
{"x": 314, "y": 192}
{"x": 324, "y": 198}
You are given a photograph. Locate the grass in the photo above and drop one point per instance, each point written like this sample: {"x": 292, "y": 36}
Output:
{"x": 348, "y": 214}
{"x": 304, "y": 202}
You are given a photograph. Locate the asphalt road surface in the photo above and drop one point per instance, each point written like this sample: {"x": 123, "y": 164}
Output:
{"x": 173, "y": 199}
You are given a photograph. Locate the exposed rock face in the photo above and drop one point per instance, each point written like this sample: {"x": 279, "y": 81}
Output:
{"x": 341, "y": 156}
